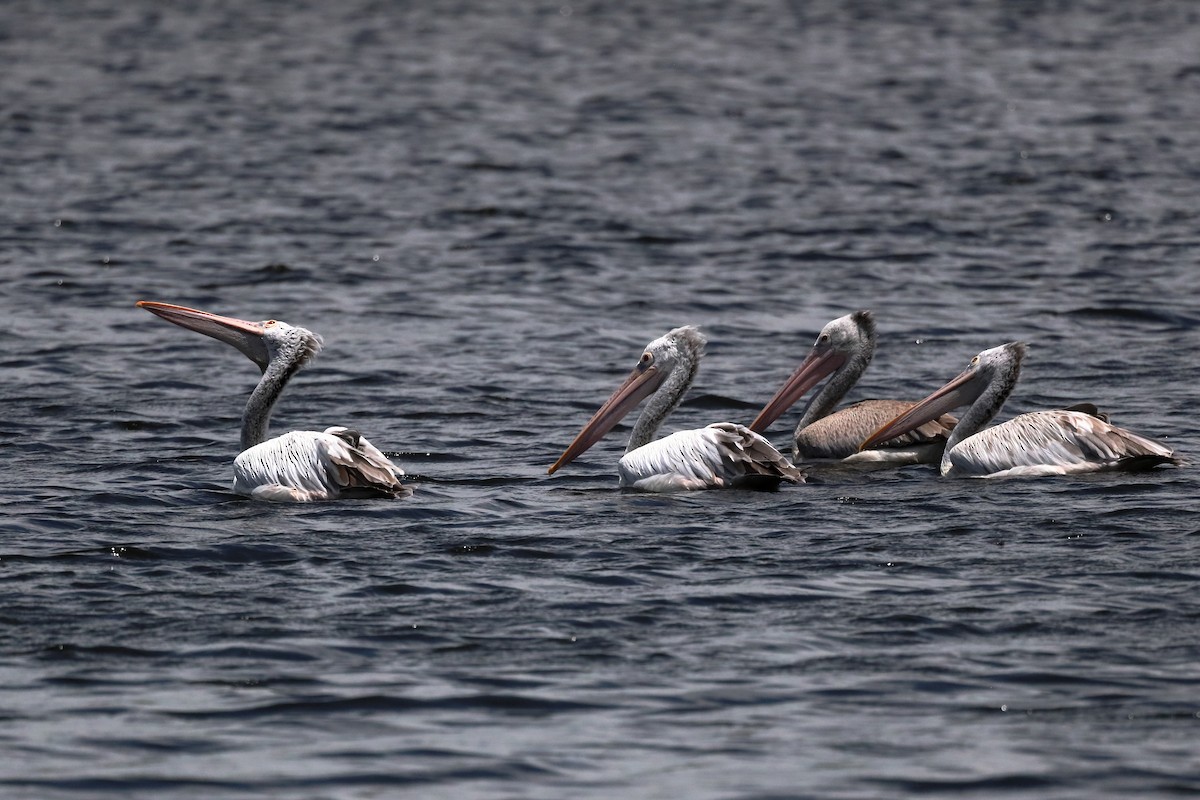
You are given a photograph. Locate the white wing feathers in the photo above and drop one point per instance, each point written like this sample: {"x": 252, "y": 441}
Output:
{"x": 303, "y": 466}
{"x": 1058, "y": 442}
{"x": 720, "y": 455}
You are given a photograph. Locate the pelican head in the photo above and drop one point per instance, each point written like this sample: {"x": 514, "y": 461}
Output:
{"x": 675, "y": 354}
{"x": 261, "y": 342}
{"x": 999, "y": 367}
{"x": 846, "y": 342}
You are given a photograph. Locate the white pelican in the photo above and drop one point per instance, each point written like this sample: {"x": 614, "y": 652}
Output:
{"x": 300, "y": 466}
{"x": 1058, "y": 442}
{"x": 844, "y": 349}
{"x": 720, "y": 456}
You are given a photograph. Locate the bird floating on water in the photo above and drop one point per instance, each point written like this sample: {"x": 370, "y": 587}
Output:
{"x": 843, "y": 350}
{"x": 1056, "y": 442}
{"x": 300, "y": 466}
{"x": 722, "y": 455}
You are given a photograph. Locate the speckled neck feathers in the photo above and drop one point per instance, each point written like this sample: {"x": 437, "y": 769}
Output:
{"x": 854, "y": 337}
{"x": 678, "y": 351}
{"x": 1000, "y": 367}
{"x": 290, "y": 348}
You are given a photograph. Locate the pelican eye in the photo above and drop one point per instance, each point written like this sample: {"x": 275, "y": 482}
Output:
{"x": 975, "y": 360}
{"x": 270, "y": 323}
{"x": 646, "y": 360}
{"x": 823, "y": 338}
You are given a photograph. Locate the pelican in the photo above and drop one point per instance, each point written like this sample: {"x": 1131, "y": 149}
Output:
{"x": 722, "y": 455}
{"x": 1058, "y": 442}
{"x": 300, "y": 466}
{"x": 844, "y": 349}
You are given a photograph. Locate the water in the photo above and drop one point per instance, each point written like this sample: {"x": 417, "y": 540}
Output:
{"x": 487, "y": 209}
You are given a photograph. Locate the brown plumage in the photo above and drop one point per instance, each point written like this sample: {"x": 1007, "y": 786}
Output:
{"x": 842, "y": 352}
{"x": 839, "y": 434}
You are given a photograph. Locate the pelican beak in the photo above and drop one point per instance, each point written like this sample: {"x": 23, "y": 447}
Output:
{"x": 247, "y": 337}
{"x": 640, "y": 384}
{"x": 959, "y": 392}
{"x": 819, "y": 363}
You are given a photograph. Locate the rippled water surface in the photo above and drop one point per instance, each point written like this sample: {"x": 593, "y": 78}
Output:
{"x": 487, "y": 209}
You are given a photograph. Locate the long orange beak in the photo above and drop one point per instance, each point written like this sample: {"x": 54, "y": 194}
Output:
{"x": 640, "y": 384}
{"x": 814, "y": 368}
{"x": 961, "y": 391}
{"x": 246, "y": 336}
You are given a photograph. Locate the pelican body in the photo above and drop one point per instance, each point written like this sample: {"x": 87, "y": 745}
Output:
{"x": 1056, "y": 442}
{"x": 842, "y": 352}
{"x": 722, "y": 455}
{"x": 300, "y": 466}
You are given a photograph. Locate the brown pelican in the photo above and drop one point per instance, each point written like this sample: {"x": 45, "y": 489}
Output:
{"x": 300, "y": 466}
{"x": 844, "y": 350}
{"x": 719, "y": 456}
{"x": 1058, "y": 442}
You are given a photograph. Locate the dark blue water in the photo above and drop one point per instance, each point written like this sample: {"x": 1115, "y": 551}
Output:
{"x": 487, "y": 209}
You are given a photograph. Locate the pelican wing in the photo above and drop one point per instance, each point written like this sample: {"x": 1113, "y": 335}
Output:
{"x": 840, "y": 434}
{"x": 304, "y": 466}
{"x": 718, "y": 456}
{"x": 360, "y": 468}
{"x": 1058, "y": 442}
